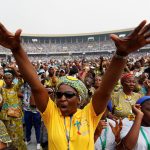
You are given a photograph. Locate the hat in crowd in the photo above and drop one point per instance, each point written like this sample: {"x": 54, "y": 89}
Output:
{"x": 8, "y": 71}
{"x": 50, "y": 66}
{"x": 62, "y": 70}
{"x": 41, "y": 71}
{"x": 143, "y": 99}
{"x": 75, "y": 83}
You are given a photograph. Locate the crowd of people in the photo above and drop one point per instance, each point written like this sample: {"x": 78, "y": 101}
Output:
{"x": 36, "y": 47}
{"x": 101, "y": 103}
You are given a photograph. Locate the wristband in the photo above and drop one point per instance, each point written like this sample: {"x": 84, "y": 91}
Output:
{"x": 120, "y": 57}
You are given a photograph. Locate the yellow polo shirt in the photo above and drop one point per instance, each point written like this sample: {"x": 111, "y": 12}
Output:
{"x": 80, "y": 128}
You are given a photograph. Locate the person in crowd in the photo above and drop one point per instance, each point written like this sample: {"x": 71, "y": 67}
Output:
{"x": 141, "y": 83}
{"x": 51, "y": 93}
{"x": 125, "y": 134}
{"x": 147, "y": 86}
{"x": 107, "y": 133}
{"x": 135, "y": 134}
{"x": 51, "y": 80}
{"x": 44, "y": 135}
{"x": 62, "y": 72}
{"x": 88, "y": 81}
{"x": 92, "y": 84}
{"x": 42, "y": 74}
{"x": 83, "y": 73}
{"x": 5, "y": 140}
{"x": 73, "y": 71}
{"x": 97, "y": 81}
{"x": 4, "y": 136}
{"x": 75, "y": 128}
{"x": 147, "y": 70}
{"x": 138, "y": 69}
{"x": 123, "y": 100}
{"x": 32, "y": 116}
{"x": 1, "y": 77}
{"x": 11, "y": 112}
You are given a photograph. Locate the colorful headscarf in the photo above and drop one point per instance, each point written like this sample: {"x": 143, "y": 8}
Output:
{"x": 75, "y": 83}
{"x": 126, "y": 76}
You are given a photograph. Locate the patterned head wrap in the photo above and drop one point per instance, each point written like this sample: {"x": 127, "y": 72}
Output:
{"x": 126, "y": 76}
{"x": 75, "y": 83}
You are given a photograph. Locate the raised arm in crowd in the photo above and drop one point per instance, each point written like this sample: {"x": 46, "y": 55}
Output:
{"x": 71, "y": 91}
{"x": 124, "y": 46}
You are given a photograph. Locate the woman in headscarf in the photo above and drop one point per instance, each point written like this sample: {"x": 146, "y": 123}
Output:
{"x": 123, "y": 100}
{"x": 69, "y": 127}
{"x": 11, "y": 112}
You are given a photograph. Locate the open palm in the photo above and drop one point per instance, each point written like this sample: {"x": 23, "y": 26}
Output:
{"x": 116, "y": 130}
{"x": 8, "y": 39}
{"x": 134, "y": 41}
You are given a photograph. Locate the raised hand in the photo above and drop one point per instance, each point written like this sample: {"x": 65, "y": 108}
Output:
{"x": 137, "y": 110}
{"x": 8, "y": 39}
{"x": 132, "y": 42}
{"x": 102, "y": 125}
{"x": 112, "y": 116}
{"x": 117, "y": 129}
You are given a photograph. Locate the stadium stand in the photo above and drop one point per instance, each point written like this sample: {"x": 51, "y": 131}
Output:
{"x": 91, "y": 44}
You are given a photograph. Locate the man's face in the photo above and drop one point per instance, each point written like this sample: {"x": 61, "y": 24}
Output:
{"x": 51, "y": 71}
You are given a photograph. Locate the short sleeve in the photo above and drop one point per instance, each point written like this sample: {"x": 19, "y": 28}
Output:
{"x": 126, "y": 127}
{"x": 93, "y": 117}
{"x": 46, "y": 115}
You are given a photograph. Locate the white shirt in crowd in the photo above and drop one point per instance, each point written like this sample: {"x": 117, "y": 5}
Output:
{"x": 110, "y": 138}
{"x": 141, "y": 143}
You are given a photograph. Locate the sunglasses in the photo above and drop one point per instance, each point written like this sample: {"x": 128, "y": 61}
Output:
{"x": 67, "y": 94}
